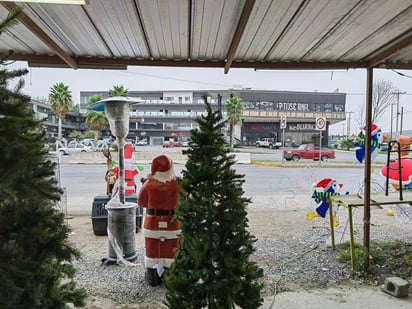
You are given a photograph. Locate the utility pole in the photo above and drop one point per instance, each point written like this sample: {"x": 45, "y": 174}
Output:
{"x": 348, "y": 126}
{"x": 397, "y": 93}
{"x": 391, "y": 139}
{"x": 400, "y": 132}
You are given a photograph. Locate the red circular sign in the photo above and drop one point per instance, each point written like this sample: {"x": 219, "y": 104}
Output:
{"x": 321, "y": 123}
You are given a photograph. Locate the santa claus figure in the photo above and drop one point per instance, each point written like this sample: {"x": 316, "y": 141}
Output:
{"x": 130, "y": 172}
{"x": 159, "y": 194}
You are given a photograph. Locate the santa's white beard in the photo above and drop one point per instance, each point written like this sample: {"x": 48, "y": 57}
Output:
{"x": 164, "y": 176}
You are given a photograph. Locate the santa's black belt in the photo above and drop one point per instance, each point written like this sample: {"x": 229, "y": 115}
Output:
{"x": 160, "y": 212}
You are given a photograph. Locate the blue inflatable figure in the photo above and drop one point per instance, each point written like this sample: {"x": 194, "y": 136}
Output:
{"x": 323, "y": 189}
{"x": 376, "y": 143}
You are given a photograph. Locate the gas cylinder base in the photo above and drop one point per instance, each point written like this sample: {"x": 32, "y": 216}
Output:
{"x": 113, "y": 260}
{"x": 152, "y": 277}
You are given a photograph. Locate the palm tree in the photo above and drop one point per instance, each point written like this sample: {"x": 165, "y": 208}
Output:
{"x": 96, "y": 120}
{"x": 60, "y": 98}
{"x": 94, "y": 99}
{"x": 234, "y": 109}
{"x": 118, "y": 91}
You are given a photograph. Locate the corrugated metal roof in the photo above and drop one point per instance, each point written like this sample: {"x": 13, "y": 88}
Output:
{"x": 278, "y": 34}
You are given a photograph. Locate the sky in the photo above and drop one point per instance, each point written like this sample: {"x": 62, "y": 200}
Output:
{"x": 136, "y": 78}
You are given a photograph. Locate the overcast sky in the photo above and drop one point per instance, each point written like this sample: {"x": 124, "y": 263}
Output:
{"x": 351, "y": 82}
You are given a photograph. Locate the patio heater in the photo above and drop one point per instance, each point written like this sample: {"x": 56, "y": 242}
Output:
{"x": 121, "y": 219}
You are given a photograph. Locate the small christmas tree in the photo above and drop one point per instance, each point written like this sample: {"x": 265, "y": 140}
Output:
{"x": 35, "y": 256}
{"x": 212, "y": 267}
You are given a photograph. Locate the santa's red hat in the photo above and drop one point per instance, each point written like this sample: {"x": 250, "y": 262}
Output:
{"x": 162, "y": 168}
{"x": 374, "y": 129}
{"x": 325, "y": 183}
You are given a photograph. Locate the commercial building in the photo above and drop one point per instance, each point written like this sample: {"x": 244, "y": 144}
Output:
{"x": 165, "y": 115}
{"x": 73, "y": 121}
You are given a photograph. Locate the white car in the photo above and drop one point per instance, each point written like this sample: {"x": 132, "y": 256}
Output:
{"x": 77, "y": 147}
{"x": 142, "y": 142}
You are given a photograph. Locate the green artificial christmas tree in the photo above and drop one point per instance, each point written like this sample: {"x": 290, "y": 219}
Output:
{"x": 212, "y": 267}
{"x": 35, "y": 255}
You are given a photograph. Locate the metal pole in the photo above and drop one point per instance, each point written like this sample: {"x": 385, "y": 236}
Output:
{"x": 320, "y": 147}
{"x": 367, "y": 170}
{"x": 122, "y": 187}
{"x": 348, "y": 126}
{"x": 400, "y": 132}
{"x": 391, "y": 120}
{"x": 397, "y": 112}
{"x": 332, "y": 228}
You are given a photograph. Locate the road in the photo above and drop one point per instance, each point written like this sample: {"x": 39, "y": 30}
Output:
{"x": 83, "y": 181}
{"x": 265, "y": 154}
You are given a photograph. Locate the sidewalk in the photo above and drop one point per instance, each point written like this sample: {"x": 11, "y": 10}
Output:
{"x": 364, "y": 297}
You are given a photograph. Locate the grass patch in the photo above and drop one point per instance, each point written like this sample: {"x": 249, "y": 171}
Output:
{"x": 265, "y": 163}
{"x": 390, "y": 257}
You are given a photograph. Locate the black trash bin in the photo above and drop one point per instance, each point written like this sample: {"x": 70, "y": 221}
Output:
{"x": 99, "y": 214}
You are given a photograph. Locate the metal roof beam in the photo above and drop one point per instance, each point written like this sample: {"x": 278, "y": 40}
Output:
{"x": 379, "y": 59}
{"x": 103, "y": 63}
{"x": 247, "y": 10}
{"x": 122, "y": 63}
{"x": 33, "y": 27}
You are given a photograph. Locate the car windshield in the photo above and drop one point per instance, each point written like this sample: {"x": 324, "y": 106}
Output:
{"x": 302, "y": 147}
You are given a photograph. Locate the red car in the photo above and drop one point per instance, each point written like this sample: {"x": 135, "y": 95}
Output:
{"x": 168, "y": 144}
{"x": 308, "y": 151}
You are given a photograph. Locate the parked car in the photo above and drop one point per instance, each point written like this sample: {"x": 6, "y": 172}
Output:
{"x": 142, "y": 142}
{"x": 168, "y": 144}
{"x": 308, "y": 151}
{"x": 74, "y": 147}
{"x": 268, "y": 142}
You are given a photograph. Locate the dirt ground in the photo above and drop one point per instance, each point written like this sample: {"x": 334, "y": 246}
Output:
{"x": 281, "y": 234}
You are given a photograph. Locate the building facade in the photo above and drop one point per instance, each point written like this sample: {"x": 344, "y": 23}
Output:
{"x": 165, "y": 115}
{"x": 72, "y": 122}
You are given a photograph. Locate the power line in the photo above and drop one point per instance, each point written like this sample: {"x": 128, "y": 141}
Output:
{"x": 401, "y": 74}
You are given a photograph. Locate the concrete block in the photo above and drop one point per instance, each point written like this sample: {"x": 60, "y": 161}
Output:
{"x": 396, "y": 286}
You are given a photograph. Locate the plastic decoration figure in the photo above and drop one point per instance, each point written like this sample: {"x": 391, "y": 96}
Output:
{"x": 159, "y": 194}
{"x": 323, "y": 189}
{"x": 405, "y": 164}
{"x": 108, "y": 155}
{"x": 111, "y": 180}
{"x": 376, "y": 143}
{"x": 129, "y": 171}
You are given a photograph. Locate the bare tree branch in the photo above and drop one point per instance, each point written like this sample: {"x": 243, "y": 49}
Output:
{"x": 383, "y": 96}
{"x": 360, "y": 114}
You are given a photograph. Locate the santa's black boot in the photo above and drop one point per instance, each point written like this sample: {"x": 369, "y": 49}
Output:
{"x": 152, "y": 277}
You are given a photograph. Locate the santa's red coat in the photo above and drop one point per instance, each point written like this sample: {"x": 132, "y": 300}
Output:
{"x": 161, "y": 229}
